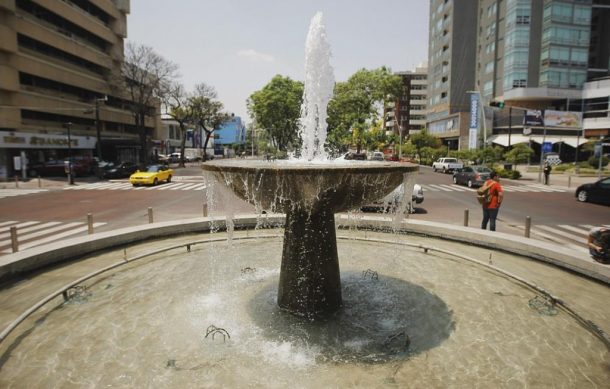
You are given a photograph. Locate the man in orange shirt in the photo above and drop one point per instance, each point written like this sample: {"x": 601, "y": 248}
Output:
{"x": 496, "y": 196}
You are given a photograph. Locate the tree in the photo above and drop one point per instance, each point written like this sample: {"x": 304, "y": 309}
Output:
{"x": 146, "y": 77}
{"x": 423, "y": 139}
{"x": 178, "y": 107}
{"x": 357, "y": 103}
{"x": 207, "y": 112}
{"x": 277, "y": 109}
{"x": 519, "y": 153}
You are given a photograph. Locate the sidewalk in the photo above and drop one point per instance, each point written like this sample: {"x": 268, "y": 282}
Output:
{"x": 558, "y": 179}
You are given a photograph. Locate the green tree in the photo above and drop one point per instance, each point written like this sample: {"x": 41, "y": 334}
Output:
{"x": 356, "y": 105}
{"x": 177, "y": 106}
{"x": 423, "y": 139}
{"x": 277, "y": 108}
{"x": 520, "y": 152}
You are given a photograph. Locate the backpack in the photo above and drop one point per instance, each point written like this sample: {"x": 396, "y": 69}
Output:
{"x": 484, "y": 194}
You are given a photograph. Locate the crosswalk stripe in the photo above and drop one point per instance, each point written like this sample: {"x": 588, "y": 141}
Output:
{"x": 169, "y": 186}
{"x": 54, "y": 237}
{"x": 575, "y": 229}
{"x": 559, "y": 240}
{"x": 439, "y": 187}
{"x": 189, "y": 187}
{"x": 24, "y": 224}
{"x": 2, "y": 224}
{"x": 561, "y": 233}
{"x": 454, "y": 187}
{"x": 21, "y": 231}
{"x": 199, "y": 187}
{"x": 511, "y": 188}
{"x": 179, "y": 186}
{"x": 546, "y": 188}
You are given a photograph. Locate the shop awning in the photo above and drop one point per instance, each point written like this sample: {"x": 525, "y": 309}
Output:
{"x": 502, "y": 139}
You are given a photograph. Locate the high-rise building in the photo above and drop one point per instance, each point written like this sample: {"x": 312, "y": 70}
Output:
{"x": 528, "y": 54}
{"x": 408, "y": 112}
{"x": 451, "y": 68}
{"x": 58, "y": 60}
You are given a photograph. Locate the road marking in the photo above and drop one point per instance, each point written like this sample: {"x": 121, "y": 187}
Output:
{"x": 454, "y": 187}
{"x": 546, "y": 188}
{"x": 440, "y": 187}
{"x": 559, "y": 232}
{"x": 67, "y": 228}
{"x": 2, "y": 224}
{"x": 23, "y": 231}
{"x": 582, "y": 231}
{"x": 179, "y": 186}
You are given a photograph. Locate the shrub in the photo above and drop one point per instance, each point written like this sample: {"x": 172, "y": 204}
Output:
{"x": 511, "y": 174}
{"x": 594, "y": 161}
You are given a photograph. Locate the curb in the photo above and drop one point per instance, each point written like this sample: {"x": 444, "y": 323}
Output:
{"x": 29, "y": 260}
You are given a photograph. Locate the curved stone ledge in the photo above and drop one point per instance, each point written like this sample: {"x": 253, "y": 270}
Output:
{"x": 38, "y": 257}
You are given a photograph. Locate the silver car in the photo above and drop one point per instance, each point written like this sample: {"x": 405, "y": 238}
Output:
{"x": 393, "y": 201}
{"x": 471, "y": 176}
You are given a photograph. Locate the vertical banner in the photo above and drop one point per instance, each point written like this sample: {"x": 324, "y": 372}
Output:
{"x": 474, "y": 121}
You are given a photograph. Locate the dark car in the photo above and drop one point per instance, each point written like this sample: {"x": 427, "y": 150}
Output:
{"x": 57, "y": 168}
{"x": 471, "y": 176}
{"x": 596, "y": 192}
{"x": 121, "y": 170}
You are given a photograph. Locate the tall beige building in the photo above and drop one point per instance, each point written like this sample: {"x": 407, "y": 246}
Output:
{"x": 57, "y": 60}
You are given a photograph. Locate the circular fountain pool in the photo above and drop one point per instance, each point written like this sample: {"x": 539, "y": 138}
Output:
{"x": 409, "y": 318}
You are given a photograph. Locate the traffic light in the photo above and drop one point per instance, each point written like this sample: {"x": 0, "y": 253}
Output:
{"x": 499, "y": 104}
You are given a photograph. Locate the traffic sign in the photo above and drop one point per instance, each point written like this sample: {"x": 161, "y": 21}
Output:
{"x": 547, "y": 147}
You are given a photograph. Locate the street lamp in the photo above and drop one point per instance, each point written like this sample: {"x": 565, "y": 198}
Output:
{"x": 68, "y": 125}
{"x": 98, "y": 126}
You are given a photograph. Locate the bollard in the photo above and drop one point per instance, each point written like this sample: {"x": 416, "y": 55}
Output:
{"x": 150, "y": 215}
{"x": 205, "y": 210}
{"x": 39, "y": 182}
{"x": 466, "y": 218}
{"x": 90, "y": 223}
{"x": 528, "y": 226}
{"x": 14, "y": 242}
{"x": 16, "y": 181}
{"x": 569, "y": 180}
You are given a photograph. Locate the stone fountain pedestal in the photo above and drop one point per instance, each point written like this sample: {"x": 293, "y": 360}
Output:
{"x": 309, "y": 194}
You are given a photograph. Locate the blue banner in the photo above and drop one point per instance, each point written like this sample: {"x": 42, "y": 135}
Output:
{"x": 474, "y": 121}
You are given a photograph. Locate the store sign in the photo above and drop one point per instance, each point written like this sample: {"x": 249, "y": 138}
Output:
{"x": 23, "y": 140}
{"x": 562, "y": 118}
{"x": 533, "y": 118}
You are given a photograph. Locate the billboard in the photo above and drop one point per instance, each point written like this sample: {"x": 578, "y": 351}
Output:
{"x": 566, "y": 119}
{"x": 533, "y": 118}
{"x": 473, "y": 134}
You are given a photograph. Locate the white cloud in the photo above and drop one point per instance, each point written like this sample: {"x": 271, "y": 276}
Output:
{"x": 255, "y": 55}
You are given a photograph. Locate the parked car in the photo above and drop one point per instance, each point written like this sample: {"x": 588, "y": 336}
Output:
{"x": 377, "y": 156}
{"x": 595, "y": 192}
{"x": 392, "y": 202}
{"x": 174, "y": 157}
{"x": 121, "y": 170}
{"x": 153, "y": 175}
{"x": 471, "y": 176}
{"x": 58, "y": 168}
{"x": 447, "y": 165}
{"x": 349, "y": 156}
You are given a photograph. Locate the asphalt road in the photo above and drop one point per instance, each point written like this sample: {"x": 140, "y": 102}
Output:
{"x": 555, "y": 213}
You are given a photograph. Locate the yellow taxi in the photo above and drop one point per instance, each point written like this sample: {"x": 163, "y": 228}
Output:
{"x": 153, "y": 175}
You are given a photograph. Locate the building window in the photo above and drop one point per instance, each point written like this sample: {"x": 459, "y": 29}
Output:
{"x": 489, "y": 67}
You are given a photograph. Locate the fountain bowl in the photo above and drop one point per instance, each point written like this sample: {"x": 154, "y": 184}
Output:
{"x": 278, "y": 185}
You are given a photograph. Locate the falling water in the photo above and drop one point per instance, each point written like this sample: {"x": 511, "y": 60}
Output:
{"x": 319, "y": 84}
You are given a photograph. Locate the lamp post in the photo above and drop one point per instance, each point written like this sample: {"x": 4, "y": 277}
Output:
{"x": 400, "y": 130}
{"x": 68, "y": 125}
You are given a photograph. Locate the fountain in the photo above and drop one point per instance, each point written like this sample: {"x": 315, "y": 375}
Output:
{"x": 310, "y": 192}
{"x": 409, "y": 310}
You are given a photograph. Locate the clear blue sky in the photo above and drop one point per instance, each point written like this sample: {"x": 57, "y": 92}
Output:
{"x": 237, "y": 46}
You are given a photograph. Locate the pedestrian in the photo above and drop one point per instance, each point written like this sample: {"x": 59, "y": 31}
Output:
{"x": 547, "y": 172}
{"x": 599, "y": 244}
{"x": 494, "y": 197}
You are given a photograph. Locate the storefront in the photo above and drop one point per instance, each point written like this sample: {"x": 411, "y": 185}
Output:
{"x": 24, "y": 150}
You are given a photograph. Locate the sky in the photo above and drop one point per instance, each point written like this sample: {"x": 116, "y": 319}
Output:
{"x": 238, "y": 46}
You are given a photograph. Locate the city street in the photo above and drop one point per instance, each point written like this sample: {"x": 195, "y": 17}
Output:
{"x": 57, "y": 211}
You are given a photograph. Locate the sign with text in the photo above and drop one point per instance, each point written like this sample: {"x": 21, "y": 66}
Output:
{"x": 473, "y": 133}
{"x": 26, "y": 140}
